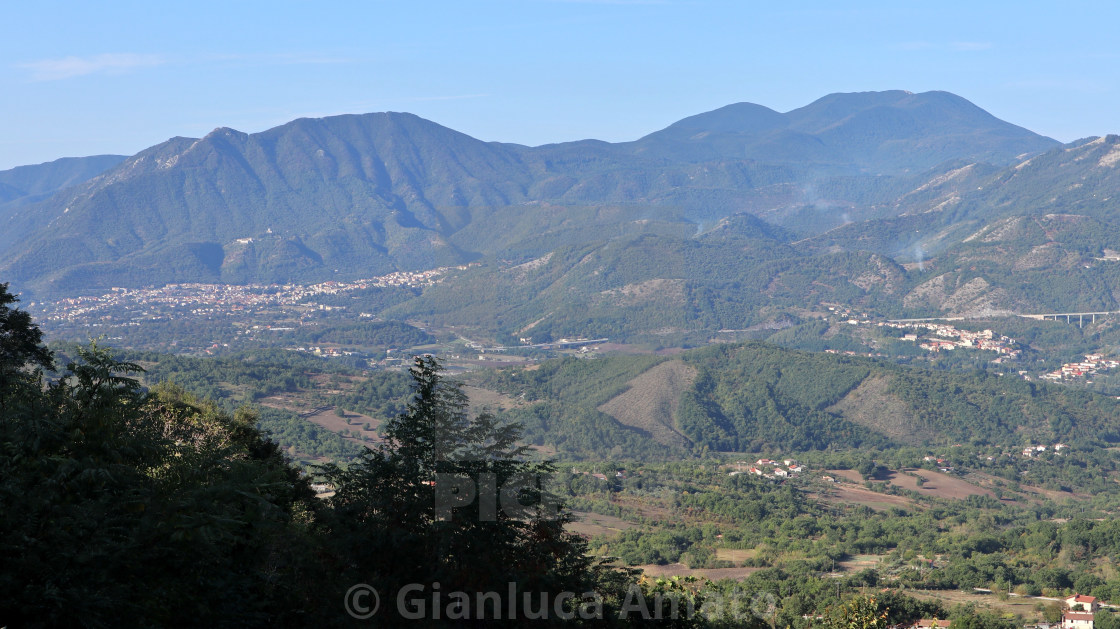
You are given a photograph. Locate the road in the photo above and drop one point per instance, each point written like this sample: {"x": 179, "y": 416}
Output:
{"x": 1038, "y": 598}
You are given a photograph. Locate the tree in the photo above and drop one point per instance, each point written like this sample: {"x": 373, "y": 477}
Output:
{"x": 20, "y": 339}
{"x": 451, "y": 498}
{"x": 1052, "y": 613}
{"x": 149, "y": 508}
{"x": 22, "y": 356}
{"x": 860, "y": 612}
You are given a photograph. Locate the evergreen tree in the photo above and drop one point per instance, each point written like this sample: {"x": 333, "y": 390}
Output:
{"x": 120, "y": 507}
{"x": 451, "y": 498}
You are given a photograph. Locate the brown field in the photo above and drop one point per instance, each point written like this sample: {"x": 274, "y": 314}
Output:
{"x": 937, "y": 484}
{"x": 352, "y": 422}
{"x": 847, "y": 494}
{"x": 327, "y": 419}
{"x": 485, "y": 398}
{"x": 681, "y": 570}
{"x": 850, "y": 475}
{"x": 648, "y": 509}
{"x": 593, "y": 524}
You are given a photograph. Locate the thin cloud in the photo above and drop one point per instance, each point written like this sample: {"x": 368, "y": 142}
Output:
{"x": 1063, "y": 84}
{"x": 971, "y": 46}
{"x": 384, "y": 104}
{"x": 303, "y": 58}
{"x": 456, "y": 97}
{"x": 120, "y": 63}
{"x": 71, "y": 67}
{"x": 914, "y": 45}
{"x": 957, "y": 46}
{"x": 633, "y": 2}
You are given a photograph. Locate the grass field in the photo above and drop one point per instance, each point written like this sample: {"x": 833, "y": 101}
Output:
{"x": 1024, "y": 607}
{"x": 860, "y": 562}
{"x": 735, "y": 555}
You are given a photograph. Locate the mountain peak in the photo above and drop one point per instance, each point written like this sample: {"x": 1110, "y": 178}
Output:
{"x": 734, "y": 118}
{"x": 228, "y": 133}
{"x": 390, "y": 190}
{"x": 888, "y": 131}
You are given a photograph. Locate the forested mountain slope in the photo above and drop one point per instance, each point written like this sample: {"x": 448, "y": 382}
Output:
{"x": 761, "y": 398}
{"x": 352, "y": 196}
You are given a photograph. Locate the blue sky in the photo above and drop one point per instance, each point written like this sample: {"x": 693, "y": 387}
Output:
{"x": 83, "y": 78}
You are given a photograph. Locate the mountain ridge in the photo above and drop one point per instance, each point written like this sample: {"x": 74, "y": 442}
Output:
{"x": 371, "y": 193}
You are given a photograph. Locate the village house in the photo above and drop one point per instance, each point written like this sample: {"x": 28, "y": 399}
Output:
{"x": 1087, "y": 603}
{"x": 928, "y": 622}
{"x": 1077, "y": 620}
{"x": 1079, "y": 611}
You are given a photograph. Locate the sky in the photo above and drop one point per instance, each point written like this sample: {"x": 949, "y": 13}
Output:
{"x": 87, "y": 78}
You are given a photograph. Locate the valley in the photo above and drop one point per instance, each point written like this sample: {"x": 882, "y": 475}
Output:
{"x": 761, "y": 356}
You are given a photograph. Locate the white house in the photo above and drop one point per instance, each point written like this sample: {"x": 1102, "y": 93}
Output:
{"x": 1077, "y": 620}
{"x": 1087, "y": 603}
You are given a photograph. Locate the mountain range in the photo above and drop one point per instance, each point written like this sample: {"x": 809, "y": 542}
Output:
{"x": 891, "y": 200}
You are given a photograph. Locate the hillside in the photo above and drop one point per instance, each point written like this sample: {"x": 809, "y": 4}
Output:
{"x": 353, "y": 196}
{"x": 758, "y": 398}
{"x": 25, "y": 185}
{"x": 882, "y": 132}
{"x": 43, "y": 179}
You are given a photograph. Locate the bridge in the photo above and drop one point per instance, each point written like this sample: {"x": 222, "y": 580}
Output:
{"x": 1069, "y": 317}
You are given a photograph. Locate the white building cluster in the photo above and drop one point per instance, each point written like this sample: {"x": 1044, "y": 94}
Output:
{"x": 1093, "y": 364}
{"x": 944, "y": 337}
{"x": 227, "y": 299}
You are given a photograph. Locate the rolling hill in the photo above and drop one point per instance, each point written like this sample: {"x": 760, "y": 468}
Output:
{"x": 756, "y": 398}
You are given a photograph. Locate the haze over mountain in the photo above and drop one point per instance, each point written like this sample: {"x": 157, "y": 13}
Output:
{"x": 887, "y": 132}
{"x": 27, "y": 184}
{"x": 353, "y": 195}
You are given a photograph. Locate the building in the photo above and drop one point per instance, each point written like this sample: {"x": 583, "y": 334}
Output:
{"x": 1087, "y": 603}
{"x": 1077, "y": 620}
{"x": 927, "y": 622}
{"x": 1079, "y": 612}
